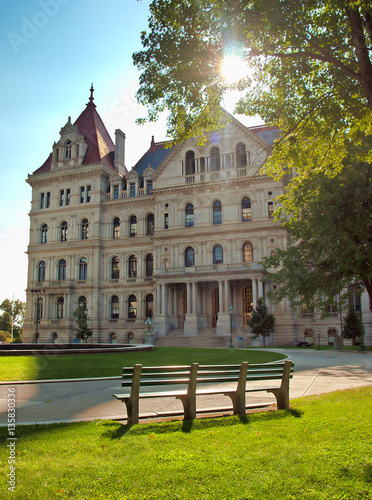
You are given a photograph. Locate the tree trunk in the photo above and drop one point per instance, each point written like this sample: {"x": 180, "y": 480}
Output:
{"x": 368, "y": 284}
{"x": 361, "y": 52}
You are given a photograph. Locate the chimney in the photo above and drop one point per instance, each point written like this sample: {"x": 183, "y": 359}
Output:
{"x": 119, "y": 161}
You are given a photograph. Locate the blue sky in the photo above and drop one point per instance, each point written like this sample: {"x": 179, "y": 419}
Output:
{"x": 51, "y": 52}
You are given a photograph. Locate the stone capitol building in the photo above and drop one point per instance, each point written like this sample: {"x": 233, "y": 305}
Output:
{"x": 179, "y": 238}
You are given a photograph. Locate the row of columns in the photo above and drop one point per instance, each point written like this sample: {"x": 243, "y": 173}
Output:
{"x": 163, "y": 306}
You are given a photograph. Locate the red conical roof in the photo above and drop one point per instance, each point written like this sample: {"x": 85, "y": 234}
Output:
{"x": 100, "y": 145}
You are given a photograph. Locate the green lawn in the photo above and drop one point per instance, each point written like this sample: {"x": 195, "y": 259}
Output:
{"x": 318, "y": 450}
{"x": 111, "y": 364}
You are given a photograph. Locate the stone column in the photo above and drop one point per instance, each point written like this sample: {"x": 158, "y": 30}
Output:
{"x": 227, "y": 296}
{"x": 175, "y": 309}
{"x": 158, "y": 300}
{"x": 260, "y": 289}
{"x": 164, "y": 301}
{"x": 188, "y": 298}
{"x": 195, "y": 297}
{"x": 220, "y": 296}
{"x": 254, "y": 292}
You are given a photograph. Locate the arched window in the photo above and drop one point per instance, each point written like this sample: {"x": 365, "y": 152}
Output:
{"x": 248, "y": 252}
{"x": 60, "y": 307}
{"x": 149, "y": 305}
{"x": 149, "y": 265}
{"x": 84, "y": 229}
{"x": 132, "y": 306}
{"x": 115, "y": 307}
{"x": 82, "y": 303}
{"x": 44, "y": 234}
{"x": 218, "y": 254}
{"x": 41, "y": 271}
{"x": 83, "y": 268}
{"x": 115, "y": 268}
{"x": 132, "y": 267}
{"x": 190, "y": 163}
{"x": 246, "y": 209}
{"x": 189, "y": 213}
{"x": 68, "y": 150}
{"x": 150, "y": 224}
{"x": 189, "y": 257}
{"x": 241, "y": 155}
{"x": 64, "y": 227}
{"x": 217, "y": 212}
{"x": 215, "y": 159}
{"x": 133, "y": 226}
{"x": 116, "y": 228}
{"x": 61, "y": 270}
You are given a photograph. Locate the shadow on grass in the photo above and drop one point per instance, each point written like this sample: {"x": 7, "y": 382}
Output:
{"x": 118, "y": 431}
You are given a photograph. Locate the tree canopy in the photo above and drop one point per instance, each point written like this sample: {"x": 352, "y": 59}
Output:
{"x": 15, "y": 309}
{"x": 82, "y": 330}
{"x": 330, "y": 244}
{"x": 261, "y": 322}
{"x": 311, "y": 76}
{"x": 311, "y": 71}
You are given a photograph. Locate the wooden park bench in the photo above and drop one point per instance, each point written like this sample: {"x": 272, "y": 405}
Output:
{"x": 166, "y": 377}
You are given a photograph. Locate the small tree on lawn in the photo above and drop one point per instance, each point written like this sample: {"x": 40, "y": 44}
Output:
{"x": 261, "y": 321}
{"x": 352, "y": 325}
{"x": 82, "y": 330}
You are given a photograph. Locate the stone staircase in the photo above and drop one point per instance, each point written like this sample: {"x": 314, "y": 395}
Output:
{"x": 205, "y": 338}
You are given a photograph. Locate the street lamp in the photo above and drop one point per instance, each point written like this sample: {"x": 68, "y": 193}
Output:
{"x": 319, "y": 333}
{"x": 39, "y": 292}
{"x": 231, "y": 318}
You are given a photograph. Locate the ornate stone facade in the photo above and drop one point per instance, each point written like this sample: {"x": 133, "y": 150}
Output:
{"x": 179, "y": 238}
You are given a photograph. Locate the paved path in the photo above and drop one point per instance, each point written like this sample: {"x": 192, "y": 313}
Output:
{"x": 316, "y": 372}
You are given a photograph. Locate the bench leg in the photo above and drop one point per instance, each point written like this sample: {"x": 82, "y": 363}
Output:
{"x": 132, "y": 411}
{"x": 189, "y": 407}
{"x": 238, "y": 399}
{"x": 282, "y": 394}
{"x": 282, "y": 399}
{"x": 189, "y": 399}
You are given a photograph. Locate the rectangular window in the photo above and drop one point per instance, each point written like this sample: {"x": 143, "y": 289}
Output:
{"x": 89, "y": 191}
{"x": 166, "y": 221}
{"x": 48, "y": 199}
{"x": 132, "y": 188}
{"x": 149, "y": 187}
{"x": 116, "y": 192}
{"x": 77, "y": 150}
{"x": 270, "y": 207}
{"x": 42, "y": 197}
{"x": 57, "y": 154}
{"x": 61, "y": 197}
{"x": 67, "y": 196}
{"x": 82, "y": 194}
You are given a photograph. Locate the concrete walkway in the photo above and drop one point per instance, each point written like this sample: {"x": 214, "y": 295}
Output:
{"x": 316, "y": 372}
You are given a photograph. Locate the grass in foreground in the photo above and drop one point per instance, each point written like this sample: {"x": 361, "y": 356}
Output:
{"x": 111, "y": 364}
{"x": 319, "y": 450}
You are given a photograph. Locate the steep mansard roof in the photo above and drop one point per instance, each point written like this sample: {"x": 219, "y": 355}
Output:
{"x": 100, "y": 145}
{"x": 158, "y": 151}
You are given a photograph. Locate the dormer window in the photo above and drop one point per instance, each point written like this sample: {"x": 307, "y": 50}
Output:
{"x": 68, "y": 150}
